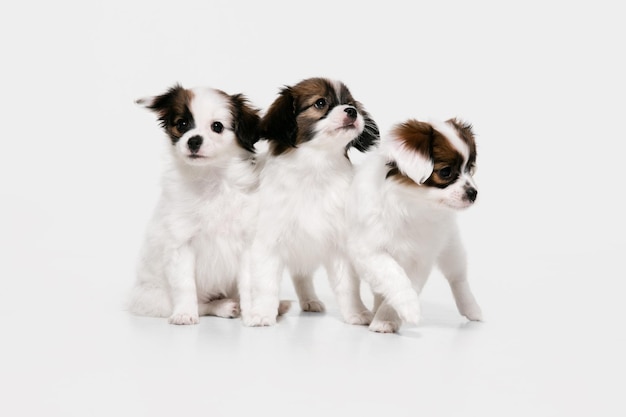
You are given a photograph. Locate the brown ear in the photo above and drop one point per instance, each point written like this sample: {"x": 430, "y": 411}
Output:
{"x": 417, "y": 136}
{"x": 173, "y": 100}
{"x": 279, "y": 123}
{"x": 410, "y": 146}
{"x": 246, "y": 121}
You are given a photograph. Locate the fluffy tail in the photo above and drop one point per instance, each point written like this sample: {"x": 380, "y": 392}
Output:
{"x": 151, "y": 301}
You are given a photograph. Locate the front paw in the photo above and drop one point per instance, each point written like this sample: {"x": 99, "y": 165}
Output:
{"x": 406, "y": 304}
{"x": 256, "y": 318}
{"x": 313, "y": 306}
{"x": 472, "y": 312}
{"x": 385, "y": 326}
{"x": 362, "y": 318}
{"x": 184, "y": 318}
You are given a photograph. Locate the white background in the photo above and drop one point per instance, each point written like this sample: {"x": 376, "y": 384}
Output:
{"x": 541, "y": 81}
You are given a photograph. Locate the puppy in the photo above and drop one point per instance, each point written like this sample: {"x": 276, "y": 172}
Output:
{"x": 301, "y": 224}
{"x": 201, "y": 227}
{"x": 401, "y": 212}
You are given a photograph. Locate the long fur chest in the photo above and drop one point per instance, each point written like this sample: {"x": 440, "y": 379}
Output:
{"x": 303, "y": 205}
{"x": 214, "y": 216}
{"x": 416, "y": 235}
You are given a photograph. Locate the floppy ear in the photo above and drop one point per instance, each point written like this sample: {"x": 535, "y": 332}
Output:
{"x": 279, "y": 123}
{"x": 246, "y": 122}
{"x": 370, "y": 135}
{"x": 410, "y": 146}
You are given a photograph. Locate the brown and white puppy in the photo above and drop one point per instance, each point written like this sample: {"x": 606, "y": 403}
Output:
{"x": 402, "y": 217}
{"x": 301, "y": 223}
{"x": 192, "y": 254}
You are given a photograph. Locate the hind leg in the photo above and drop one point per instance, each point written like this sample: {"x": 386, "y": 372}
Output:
{"x": 260, "y": 289}
{"x": 453, "y": 265}
{"x": 347, "y": 288}
{"x": 224, "y": 307}
{"x": 309, "y": 301}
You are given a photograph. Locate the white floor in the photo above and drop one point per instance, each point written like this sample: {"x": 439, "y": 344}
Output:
{"x": 552, "y": 344}
{"x": 543, "y": 84}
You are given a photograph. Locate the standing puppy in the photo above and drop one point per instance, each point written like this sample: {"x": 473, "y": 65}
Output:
{"x": 402, "y": 211}
{"x": 301, "y": 222}
{"x": 193, "y": 250}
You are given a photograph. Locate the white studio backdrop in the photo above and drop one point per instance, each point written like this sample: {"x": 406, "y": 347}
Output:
{"x": 542, "y": 82}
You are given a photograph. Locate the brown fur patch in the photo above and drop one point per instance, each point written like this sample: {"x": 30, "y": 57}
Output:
{"x": 466, "y": 133}
{"x": 173, "y": 111}
{"x": 416, "y": 135}
{"x": 448, "y": 163}
{"x": 246, "y": 121}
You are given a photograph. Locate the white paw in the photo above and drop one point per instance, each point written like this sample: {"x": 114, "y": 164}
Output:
{"x": 472, "y": 312}
{"x": 184, "y": 318}
{"x": 362, "y": 318}
{"x": 384, "y": 326}
{"x": 258, "y": 320}
{"x": 227, "y": 308}
{"x": 407, "y": 305}
{"x": 313, "y": 306}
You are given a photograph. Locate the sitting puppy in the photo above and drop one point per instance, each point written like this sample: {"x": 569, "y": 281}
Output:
{"x": 301, "y": 224}
{"x": 200, "y": 229}
{"x": 401, "y": 214}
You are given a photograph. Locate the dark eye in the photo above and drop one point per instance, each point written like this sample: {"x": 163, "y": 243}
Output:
{"x": 217, "y": 127}
{"x": 182, "y": 125}
{"x": 445, "y": 173}
{"x": 320, "y": 103}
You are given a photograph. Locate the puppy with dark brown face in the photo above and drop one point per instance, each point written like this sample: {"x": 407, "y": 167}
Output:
{"x": 402, "y": 217}
{"x": 301, "y": 224}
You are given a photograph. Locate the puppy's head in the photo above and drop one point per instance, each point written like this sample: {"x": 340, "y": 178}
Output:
{"x": 436, "y": 159}
{"x": 321, "y": 112}
{"x": 204, "y": 124}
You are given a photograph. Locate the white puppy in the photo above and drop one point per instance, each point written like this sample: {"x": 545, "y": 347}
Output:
{"x": 401, "y": 215}
{"x": 301, "y": 223}
{"x": 201, "y": 227}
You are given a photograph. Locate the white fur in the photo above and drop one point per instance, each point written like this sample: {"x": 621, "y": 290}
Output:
{"x": 398, "y": 233}
{"x": 201, "y": 227}
{"x": 301, "y": 226}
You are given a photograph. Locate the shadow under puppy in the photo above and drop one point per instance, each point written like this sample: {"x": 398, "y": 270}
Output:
{"x": 402, "y": 217}
{"x": 301, "y": 224}
{"x": 194, "y": 245}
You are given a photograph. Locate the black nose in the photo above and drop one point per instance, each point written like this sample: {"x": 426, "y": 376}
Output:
{"x": 351, "y": 112}
{"x": 471, "y": 194}
{"x": 194, "y": 143}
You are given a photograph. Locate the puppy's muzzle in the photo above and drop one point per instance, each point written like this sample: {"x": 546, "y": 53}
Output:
{"x": 194, "y": 143}
{"x": 470, "y": 194}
